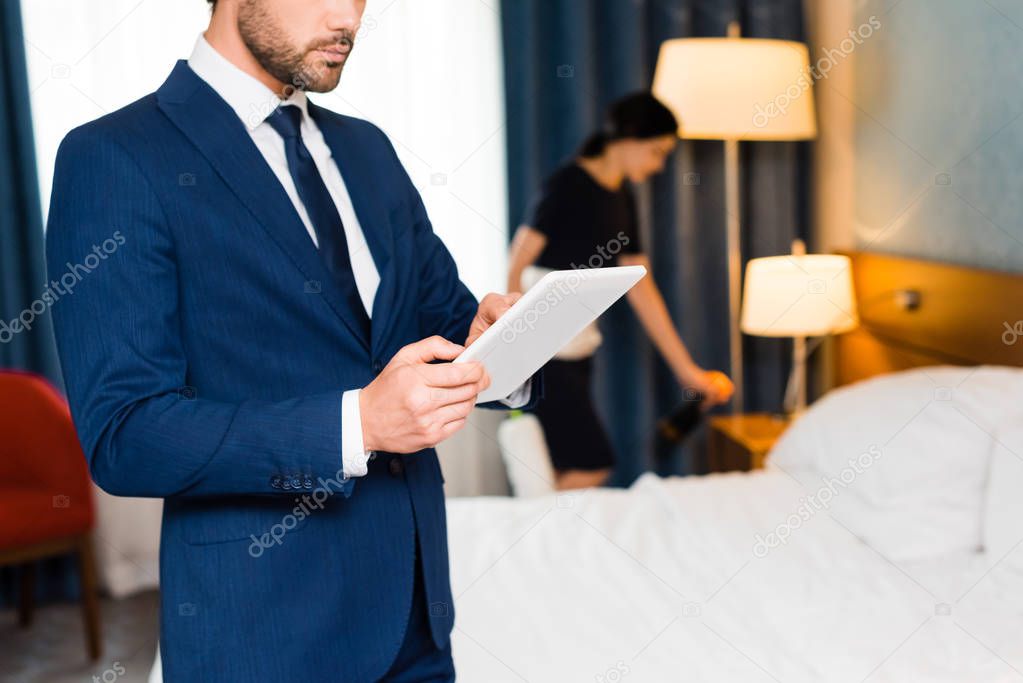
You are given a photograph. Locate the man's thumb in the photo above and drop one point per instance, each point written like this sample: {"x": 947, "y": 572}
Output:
{"x": 433, "y": 348}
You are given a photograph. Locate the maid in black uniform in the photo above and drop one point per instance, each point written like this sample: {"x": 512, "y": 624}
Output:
{"x": 585, "y": 216}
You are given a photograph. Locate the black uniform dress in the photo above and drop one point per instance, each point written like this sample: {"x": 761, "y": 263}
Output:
{"x": 586, "y": 226}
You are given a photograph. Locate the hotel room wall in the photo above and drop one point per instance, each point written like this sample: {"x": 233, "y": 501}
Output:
{"x": 834, "y": 155}
{"x": 922, "y": 130}
{"x": 921, "y": 134}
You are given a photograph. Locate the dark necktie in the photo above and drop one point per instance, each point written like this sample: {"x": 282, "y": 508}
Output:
{"x": 320, "y": 207}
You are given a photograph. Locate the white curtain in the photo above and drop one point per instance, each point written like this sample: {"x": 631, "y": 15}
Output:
{"x": 428, "y": 73}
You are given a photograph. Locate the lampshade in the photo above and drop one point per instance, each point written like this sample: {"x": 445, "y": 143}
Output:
{"x": 799, "y": 296}
{"x": 737, "y": 88}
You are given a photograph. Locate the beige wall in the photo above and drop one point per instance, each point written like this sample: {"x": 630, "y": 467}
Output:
{"x": 833, "y": 214}
{"x": 828, "y": 23}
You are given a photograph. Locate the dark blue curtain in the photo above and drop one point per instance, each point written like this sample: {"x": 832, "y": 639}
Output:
{"x": 565, "y": 60}
{"x": 22, "y": 271}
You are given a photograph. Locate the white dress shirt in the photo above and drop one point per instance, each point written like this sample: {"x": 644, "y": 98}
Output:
{"x": 253, "y": 102}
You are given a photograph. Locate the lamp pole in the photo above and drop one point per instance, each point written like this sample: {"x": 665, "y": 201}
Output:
{"x": 733, "y": 237}
{"x": 795, "y": 393}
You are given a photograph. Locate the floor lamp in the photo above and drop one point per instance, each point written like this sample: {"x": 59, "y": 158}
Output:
{"x": 737, "y": 89}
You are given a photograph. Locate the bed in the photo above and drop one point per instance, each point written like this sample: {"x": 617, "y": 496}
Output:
{"x": 664, "y": 582}
{"x": 911, "y": 570}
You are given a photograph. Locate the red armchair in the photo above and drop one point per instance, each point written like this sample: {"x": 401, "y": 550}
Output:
{"x": 45, "y": 493}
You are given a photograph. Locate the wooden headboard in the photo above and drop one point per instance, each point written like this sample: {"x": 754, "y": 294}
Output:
{"x": 961, "y": 316}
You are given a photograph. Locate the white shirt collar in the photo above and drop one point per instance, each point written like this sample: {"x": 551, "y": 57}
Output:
{"x": 251, "y": 100}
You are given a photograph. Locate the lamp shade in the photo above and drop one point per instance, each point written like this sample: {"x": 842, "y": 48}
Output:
{"x": 799, "y": 296}
{"x": 737, "y": 88}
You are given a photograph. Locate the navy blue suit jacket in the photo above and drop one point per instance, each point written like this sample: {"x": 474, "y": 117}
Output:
{"x": 205, "y": 349}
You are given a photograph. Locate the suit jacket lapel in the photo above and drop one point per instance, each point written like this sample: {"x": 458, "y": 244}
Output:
{"x": 351, "y": 154}
{"x": 220, "y": 136}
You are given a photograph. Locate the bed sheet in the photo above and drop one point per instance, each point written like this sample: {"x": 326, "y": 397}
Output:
{"x": 732, "y": 577}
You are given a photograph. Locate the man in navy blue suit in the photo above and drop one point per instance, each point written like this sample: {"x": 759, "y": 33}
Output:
{"x": 254, "y": 338}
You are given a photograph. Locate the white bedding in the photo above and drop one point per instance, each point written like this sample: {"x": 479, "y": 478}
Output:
{"x": 663, "y": 582}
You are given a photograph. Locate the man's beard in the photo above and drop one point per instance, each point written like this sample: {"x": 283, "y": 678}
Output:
{"x": 270, "y": 45}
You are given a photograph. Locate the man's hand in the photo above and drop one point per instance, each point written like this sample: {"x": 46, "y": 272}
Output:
{"x": 413, "y": 404}
{"x": 491, "y": 308}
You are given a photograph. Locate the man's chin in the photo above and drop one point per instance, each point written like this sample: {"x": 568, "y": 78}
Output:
{"x": 326, "y": 76}
{"x": 324, "y": 85}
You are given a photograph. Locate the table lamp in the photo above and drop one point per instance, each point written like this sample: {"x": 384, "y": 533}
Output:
{"x": 799, "y": 296}
{"x": 736, "y": 89}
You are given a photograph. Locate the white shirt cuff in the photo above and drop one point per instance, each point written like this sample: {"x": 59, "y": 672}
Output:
{"x": 353, "y": 451}
{"x": 520, "y": 396}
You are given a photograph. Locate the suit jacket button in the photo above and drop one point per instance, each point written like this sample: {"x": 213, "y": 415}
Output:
{"x": 275, "y": 481}
{"x": 286, "y": 483}
{"x": 396, "y": 467}
{"x": 377, "y": 366}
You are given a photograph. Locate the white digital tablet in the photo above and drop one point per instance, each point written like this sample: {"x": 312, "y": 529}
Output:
{"x": 545, "y": 319}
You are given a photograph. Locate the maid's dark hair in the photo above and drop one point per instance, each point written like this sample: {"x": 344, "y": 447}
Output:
{"x": 639, "y": 116}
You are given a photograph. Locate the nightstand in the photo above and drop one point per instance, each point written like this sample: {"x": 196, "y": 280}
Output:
{"x": 741, "y": 442}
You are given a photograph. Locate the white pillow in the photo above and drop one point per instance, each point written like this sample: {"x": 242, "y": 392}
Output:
{"x": 1003, "y": 513}
{"x": 526, "y": 457}
{"x": 902, "y": 460}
